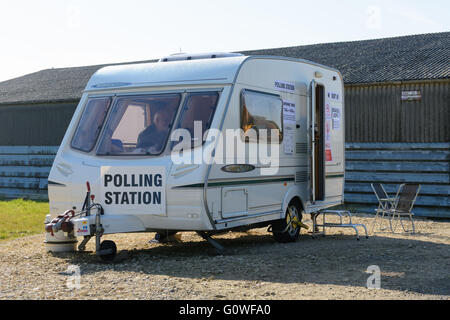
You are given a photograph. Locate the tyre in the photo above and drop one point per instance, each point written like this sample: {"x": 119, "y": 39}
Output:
{"x": 286, "y": 230}
{"x": 108, "y": 250}
{"x": 164, "y": 235}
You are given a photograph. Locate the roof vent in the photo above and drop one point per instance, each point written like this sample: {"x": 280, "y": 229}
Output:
{"x": 197, "y": 56}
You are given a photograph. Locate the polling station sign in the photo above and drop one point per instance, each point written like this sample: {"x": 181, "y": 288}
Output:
{"x": 135, "y": 190}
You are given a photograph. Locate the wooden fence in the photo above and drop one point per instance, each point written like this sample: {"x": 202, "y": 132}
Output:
{"x": 393, "y": 164}
{"x": 24, "y": 172}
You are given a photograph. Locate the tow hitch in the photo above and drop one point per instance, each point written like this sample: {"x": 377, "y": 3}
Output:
{"x": 81, "y": 226}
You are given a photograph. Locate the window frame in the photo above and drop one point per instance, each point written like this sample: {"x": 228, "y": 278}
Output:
{"x": 180, "y": 94}
{"x": 184, "y": 93}
{"x": 241, "y": 109}
{"x": 185, "y": 101}
{"x": 77, "y": 128}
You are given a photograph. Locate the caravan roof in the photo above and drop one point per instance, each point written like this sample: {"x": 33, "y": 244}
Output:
{"x": 201, "y": 71}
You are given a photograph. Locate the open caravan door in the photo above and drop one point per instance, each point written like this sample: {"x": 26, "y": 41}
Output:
{"x": 317, "y": 143}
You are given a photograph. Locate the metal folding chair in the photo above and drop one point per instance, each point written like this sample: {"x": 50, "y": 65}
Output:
{"x": 403, "y": 205}
{"x": 385, "y": 203}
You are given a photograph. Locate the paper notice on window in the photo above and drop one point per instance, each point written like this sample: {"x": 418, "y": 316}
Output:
{"x": 328, "y": 125}
{"x": 289, "y": 126}
{"x": 336, "y": 118}
{"x": 327, "y": 112}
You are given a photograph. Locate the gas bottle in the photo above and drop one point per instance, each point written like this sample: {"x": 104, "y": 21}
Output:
{"x": 59, "y": 241}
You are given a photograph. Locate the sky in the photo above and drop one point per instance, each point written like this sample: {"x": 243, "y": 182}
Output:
{"x": 37, "y": 35}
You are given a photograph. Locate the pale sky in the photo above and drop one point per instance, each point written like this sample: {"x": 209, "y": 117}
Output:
{"x": 36, "y": 35}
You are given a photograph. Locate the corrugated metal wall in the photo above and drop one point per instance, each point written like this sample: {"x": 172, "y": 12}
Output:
{"x": 375, "y": 113}
{"x": 41, "y": 124}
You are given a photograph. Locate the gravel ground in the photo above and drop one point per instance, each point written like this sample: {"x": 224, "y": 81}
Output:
{"x": 255, "y": 267}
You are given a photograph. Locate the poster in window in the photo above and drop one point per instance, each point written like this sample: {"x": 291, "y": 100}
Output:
{"x": 289, "y": 127}
{"x": 336, "y": 118}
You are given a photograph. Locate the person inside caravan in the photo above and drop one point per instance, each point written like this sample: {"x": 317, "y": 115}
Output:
{"x": 154, "y": 136}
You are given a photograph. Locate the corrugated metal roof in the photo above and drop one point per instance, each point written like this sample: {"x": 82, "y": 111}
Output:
{"x": 417, "y": 57}
{"x": 62, "y": 84}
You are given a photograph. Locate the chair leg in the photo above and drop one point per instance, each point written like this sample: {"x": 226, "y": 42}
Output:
{"x": 372, "y": 229}
{"x": 382, "y": 228}
{"x": 380, "y": 219}
{"x": 411, "y": 220}
{"x": 393, "y": 223}
{"x": 400, "y": 219}
{"x": 401, "y": 222}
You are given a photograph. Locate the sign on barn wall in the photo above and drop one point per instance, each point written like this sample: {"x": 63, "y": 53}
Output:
{"x": 411, "y": 95}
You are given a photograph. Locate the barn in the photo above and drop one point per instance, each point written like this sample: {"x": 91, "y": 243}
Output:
{"x": 397, "y": 118}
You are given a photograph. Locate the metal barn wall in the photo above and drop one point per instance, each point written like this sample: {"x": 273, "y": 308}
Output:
{"x": 375, "y": 113}
{"x": 42, "y": 124}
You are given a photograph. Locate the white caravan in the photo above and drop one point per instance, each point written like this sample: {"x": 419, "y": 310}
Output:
{"x": 164, "y": 148}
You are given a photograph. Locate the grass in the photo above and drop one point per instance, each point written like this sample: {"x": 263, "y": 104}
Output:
{"x": 19, "y": 218}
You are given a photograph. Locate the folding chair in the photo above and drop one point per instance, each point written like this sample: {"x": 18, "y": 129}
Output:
{"x": 403, "y": 207}
{"x": 385, "y": 203}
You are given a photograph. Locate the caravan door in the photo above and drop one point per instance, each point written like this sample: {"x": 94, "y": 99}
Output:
{"x": 317, "y": 142}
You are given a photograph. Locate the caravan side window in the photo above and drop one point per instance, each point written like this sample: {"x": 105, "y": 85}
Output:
{"x": 261, "y": 115}
{"x": 90, "y": 124}
{"x": 199, "y": 108}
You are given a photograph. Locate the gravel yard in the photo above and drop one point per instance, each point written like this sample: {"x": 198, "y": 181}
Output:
{"x": 255, "y": 267}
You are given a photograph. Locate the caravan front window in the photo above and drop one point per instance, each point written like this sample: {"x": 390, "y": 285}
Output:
{"x": 139, "y": 125}
{"x": 90, "y": 124}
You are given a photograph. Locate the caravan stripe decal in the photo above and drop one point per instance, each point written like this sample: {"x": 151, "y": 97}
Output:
{"x": 334, "y": 175}
{"x": 232, "y": 183}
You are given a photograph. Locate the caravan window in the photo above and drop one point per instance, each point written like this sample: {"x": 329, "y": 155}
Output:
{"x": 90, "y": 124}
{"x": 261, "y": 112}
{"x": 199, "y": 108}
{"x": 139, "y": 125}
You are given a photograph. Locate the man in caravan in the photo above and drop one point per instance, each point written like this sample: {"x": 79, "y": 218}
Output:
{"x": 154, "y": 136}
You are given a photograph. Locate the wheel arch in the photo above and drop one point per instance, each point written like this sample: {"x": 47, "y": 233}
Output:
{"x": 293, "y": 194}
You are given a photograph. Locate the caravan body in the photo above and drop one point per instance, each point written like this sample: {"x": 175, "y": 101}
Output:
{"x": 145, "y": 190}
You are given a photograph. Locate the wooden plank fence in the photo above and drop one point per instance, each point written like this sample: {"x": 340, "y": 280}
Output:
{"x": 24, "y": 172}
{"x": 393, "y": 164}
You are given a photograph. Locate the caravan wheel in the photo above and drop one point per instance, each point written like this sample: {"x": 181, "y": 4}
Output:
{"x": 108, "y": 250}
{"x": 287, "y": 230}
